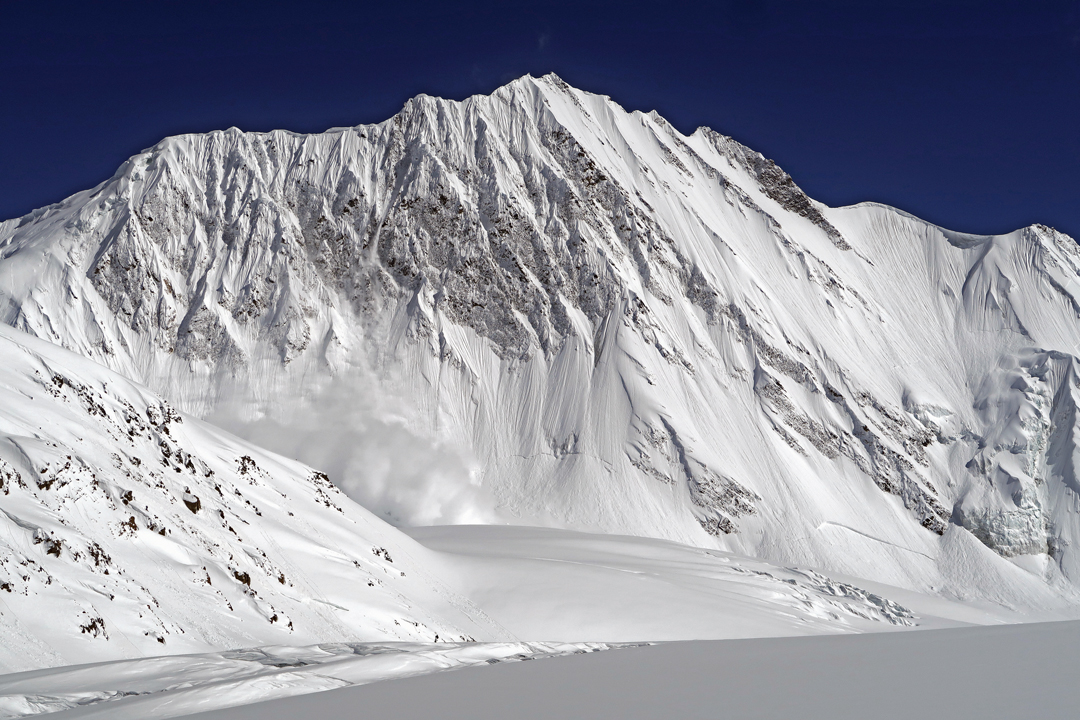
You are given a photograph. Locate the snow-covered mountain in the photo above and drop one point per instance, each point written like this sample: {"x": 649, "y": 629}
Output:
{"x": 614, "y": 325}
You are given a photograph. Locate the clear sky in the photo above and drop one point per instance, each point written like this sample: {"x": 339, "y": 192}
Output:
{"x": 965, "y": 113}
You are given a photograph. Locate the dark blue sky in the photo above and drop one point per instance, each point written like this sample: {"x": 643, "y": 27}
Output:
{"x": 965, "y": 113}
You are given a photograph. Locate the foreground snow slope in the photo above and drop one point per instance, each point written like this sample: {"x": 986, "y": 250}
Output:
{"x": 562, "y": 585}
{"x": 1006, "y": 673}
{"x": 163, "y": 687}
{"x": 618, "y": 326}
{"x": 129, "y": 529}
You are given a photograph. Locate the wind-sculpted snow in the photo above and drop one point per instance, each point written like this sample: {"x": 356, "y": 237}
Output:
{"x": 617, "y": 326}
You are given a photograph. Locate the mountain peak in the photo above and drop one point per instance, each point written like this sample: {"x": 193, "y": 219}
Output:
{"x": 617, "y": 326}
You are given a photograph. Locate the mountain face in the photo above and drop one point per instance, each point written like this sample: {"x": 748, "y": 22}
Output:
{"x": 619, "y": 327}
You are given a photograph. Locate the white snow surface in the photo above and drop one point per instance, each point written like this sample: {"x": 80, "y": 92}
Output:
{"x": 562, "y": 585}
{"x": 163, "y": 687}
{"x": 1015, "y": 672}
{"x": 535, "y": 582}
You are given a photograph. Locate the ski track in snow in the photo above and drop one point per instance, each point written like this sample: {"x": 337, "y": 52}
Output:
{"x": 884, "y": 542}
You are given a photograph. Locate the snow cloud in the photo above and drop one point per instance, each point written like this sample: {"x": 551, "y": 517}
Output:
{"x": 358, "y": 435}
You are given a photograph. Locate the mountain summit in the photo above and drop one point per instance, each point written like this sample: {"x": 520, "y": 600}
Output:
{"x": 618, "y": 327}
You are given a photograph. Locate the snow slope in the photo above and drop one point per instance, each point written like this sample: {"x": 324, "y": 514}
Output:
{"x": 161, "y": 687}
{"x": 560, "y": 584}
{"x": 130, "y": 529}
{"x": 1006, "y": 673}
{"x": 536, "y": 583}
{"x": 595, "y": 322}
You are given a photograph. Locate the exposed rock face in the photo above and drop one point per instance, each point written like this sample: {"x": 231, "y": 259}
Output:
{"x": 629, "y": 329}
